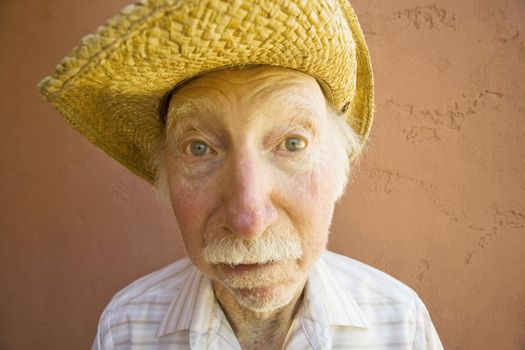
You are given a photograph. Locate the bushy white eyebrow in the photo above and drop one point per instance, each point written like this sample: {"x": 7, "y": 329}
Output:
{"x": 296, "y": 101}
{"x": 184, "y": 107}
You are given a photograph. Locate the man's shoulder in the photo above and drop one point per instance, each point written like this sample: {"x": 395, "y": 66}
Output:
{"x": 367, "y": 284}
{"x": 138, "y": 310}
{"x": 158, "y": 287}
{"x": 392, "y": 313}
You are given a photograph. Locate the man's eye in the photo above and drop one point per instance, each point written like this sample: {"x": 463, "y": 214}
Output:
{"x": 294, "y": 144}
{"x": 197, "y": 148}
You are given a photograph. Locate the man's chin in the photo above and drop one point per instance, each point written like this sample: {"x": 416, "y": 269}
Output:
{"x": 267, "y": 298}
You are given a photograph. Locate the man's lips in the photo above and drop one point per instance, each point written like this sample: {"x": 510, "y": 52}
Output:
{"x": 241, "y": 268}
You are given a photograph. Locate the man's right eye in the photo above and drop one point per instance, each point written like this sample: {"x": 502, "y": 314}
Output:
{"x": 197, "y": 148}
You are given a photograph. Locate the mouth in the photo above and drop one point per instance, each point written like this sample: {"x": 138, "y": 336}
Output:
{"x": 258, "y": 278}
{"x": 246, "y": 268}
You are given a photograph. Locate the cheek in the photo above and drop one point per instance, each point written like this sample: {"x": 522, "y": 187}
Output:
{"x": 310, "y": 207}
{"x": 191, "y": 206}
{"x": 311, "y": 195}
{"x": 313, "y": 191}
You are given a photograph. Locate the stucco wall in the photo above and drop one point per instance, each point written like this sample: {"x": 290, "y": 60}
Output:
{"x": 437, "y": 201}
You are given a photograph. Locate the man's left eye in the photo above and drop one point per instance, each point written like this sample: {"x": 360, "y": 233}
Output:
{"x": 294, "y": 144}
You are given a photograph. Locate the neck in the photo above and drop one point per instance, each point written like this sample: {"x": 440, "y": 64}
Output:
{"x": 257, "y": 330}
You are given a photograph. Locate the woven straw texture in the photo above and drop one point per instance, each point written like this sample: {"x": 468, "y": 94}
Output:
{"x": 110, "y": 86}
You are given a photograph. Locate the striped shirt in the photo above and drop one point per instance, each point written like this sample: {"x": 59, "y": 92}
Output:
{"x": 346, "y": 305}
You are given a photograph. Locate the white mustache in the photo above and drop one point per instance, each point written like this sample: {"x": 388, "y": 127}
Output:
{"x": 268, "y": 248}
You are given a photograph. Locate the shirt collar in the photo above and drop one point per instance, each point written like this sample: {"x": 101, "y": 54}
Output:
{"x": 194, "y": 308}
{"x": 325, "y": 303}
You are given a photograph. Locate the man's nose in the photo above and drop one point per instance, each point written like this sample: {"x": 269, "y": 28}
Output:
{"x": 249, "y": 207}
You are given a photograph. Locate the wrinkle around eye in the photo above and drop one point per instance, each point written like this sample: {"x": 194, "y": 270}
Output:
{"x": 189, "y": 163}
{"x": 302, "y": 135}
{"x": 187, "y": 154}
{"x": 195, "y": 167}
{"x": 188, "y": 134}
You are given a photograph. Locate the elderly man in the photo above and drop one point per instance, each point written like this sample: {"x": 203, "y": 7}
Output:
{"x": 247, "y": 115}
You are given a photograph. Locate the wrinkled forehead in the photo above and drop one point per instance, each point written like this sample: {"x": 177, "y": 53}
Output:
{"x": 255, "y": 84}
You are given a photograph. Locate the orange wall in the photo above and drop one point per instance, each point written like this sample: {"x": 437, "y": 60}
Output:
{"x": 437, "y": 201}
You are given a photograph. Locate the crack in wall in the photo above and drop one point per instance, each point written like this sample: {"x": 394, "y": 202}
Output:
{"x": 431, "y": 124}
{"x": 427, "y": 17}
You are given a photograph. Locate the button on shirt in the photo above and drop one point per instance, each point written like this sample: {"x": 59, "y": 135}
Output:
{"x": 346, "y": 305}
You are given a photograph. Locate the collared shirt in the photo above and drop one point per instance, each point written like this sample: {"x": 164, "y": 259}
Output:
{"x": 346, "y": 305}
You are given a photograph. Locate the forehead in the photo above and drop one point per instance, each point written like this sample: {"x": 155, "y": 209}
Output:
{"x": 254, "y": 87}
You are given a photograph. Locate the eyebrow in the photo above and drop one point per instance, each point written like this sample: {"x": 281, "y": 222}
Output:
{"x": 298, "y": 121}
{"x": 294, "y": 101}
{"x": 302, "y": 108}
{"x": 186, "y": 107}
{"x": 183, "y": 108}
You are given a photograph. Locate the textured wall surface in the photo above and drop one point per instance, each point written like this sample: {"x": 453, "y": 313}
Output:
{"x": 437, "y": 200}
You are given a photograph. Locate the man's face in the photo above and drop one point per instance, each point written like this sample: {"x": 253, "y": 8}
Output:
{"x": 249, "y": 160}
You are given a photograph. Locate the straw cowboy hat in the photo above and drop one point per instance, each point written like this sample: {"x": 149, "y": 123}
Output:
{"x": 114, "y": 85}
